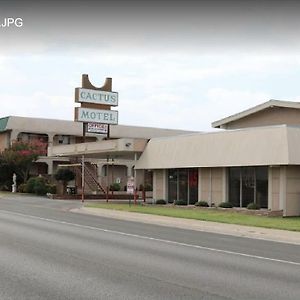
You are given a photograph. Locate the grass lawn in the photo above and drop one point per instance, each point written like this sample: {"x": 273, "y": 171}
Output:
{"x": 221, "y": 216}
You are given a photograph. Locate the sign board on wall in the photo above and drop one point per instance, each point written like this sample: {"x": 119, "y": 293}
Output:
{"x": 97, "y": 128}
{"x": 96, "y": 115}
{"x": 96, "y": 97}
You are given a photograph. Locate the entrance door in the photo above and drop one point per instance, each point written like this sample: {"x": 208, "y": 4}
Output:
{"x": 193, "y": 186}
{"x": 183, "y": 185}
{"x": 248, "y": 185}
{"x": 172, "y": 185}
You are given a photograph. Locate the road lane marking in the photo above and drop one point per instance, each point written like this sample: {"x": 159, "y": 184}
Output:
{"x": 154, "y": 239}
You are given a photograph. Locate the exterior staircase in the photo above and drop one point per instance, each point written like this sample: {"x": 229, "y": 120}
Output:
{"x": 90, "y": 177}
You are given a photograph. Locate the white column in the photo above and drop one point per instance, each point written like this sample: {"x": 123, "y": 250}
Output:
{"x": 210, "y": 186}
{"x": 135, "y": 160}
{"x": 282, "y": 189}
{"x": 199, "y": 185}
{"x": 129, "y": 170}
{"x": 50, "y": 144}
{"x": 165, "y": 184}
{"x": 270, "y": 187}
{"x": 225, "y": 184}
{"x": 50, "y": 167}
{"x": 160, "y": 182}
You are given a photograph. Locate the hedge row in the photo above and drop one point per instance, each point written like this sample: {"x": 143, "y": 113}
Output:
{"x": 205, "y": 204}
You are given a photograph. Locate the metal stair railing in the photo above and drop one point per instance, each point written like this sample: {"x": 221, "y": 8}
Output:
{"x": 90, "y": 179}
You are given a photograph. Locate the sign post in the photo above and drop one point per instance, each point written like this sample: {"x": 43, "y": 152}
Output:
{"x": 95, "y": 112}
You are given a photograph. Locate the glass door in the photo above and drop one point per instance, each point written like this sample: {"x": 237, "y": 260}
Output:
{"x": 183, "y": 185}
{"x": 193, "y": 186}
{"x": 248, "y": 185}
{"x": 172, "y": 185}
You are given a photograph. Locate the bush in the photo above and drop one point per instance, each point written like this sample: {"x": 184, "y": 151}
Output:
{"x": 180, "y": 202}
{"x": 22, "y": 188}
{"x": 115, "y": 187}
{"x": 253, "y": 206}
{"x": 225, "y": 205}
{"x": 51, "y": 188}
{"x": 160, "y": 202}
{"x": 37, "y": 185}
{"x": 40, "y": 187}
{"x": 193, "y": 201}
{"x": 202, "y": 204}
{"x": 29, "y": 187}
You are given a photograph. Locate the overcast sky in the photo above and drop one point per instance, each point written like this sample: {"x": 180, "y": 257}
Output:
{"x": 175, "y": 64}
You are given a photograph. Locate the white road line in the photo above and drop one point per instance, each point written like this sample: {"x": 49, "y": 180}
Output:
{"x": 154, "y": 239}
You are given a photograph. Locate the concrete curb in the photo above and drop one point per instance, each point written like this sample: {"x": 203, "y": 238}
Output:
{"x": 282, "y": 236}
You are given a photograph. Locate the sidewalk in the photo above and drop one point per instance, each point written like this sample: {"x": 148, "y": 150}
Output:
{"x": 276, "y": 235}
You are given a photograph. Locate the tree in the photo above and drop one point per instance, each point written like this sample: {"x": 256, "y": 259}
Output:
{"x": 19, "y": 159}
{"x": 64, "y": 175}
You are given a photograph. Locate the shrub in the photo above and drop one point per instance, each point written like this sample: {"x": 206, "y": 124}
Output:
{"x": 225, "y": 205}
{"x": 202, "y": 204}
{"x": 36, "y": 185}
{"x": 253, "y": 206}
{"x": 115, "y": 187}
{"x": 22, "y": 188}
{"x": 29, "y": 187}
{"x": 51, "y": 188}
{"x": 180, "y": 202}
{"x": 193, "y": 201}
{"x": 160, "y": 202}
{"x": 40, "y": 186}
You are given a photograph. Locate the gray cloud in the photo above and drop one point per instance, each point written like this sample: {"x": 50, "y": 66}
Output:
{"x": 200, "y": 26}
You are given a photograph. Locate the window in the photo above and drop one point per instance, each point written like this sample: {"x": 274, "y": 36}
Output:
{"x": 183, "y": 185}
{"x": 247, "y": 185}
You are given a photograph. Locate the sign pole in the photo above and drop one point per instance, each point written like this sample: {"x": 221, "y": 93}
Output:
{"x": 83, "y": 165}
{"x": 107, "y": 187}
{"x": 135, "y": 181}
{"x": 95, "y": 108}
{"x": 108, "y": 131}
{"x": 82, "y": 178}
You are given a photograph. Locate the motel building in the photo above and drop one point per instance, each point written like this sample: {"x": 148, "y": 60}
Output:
{"x": 256, "y": 158}
{"x": 253, "y": 157}
{"x": 107, "y": 161}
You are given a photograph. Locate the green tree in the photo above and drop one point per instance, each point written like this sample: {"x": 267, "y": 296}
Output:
{"x": 64, "y": 175}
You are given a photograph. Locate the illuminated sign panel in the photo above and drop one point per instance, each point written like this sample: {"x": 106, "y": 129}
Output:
{"x": 96, "y": 97}
{"x": 96, "y": 115}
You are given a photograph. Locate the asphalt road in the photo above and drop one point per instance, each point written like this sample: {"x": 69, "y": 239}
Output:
{"x": 48, "y": 252}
